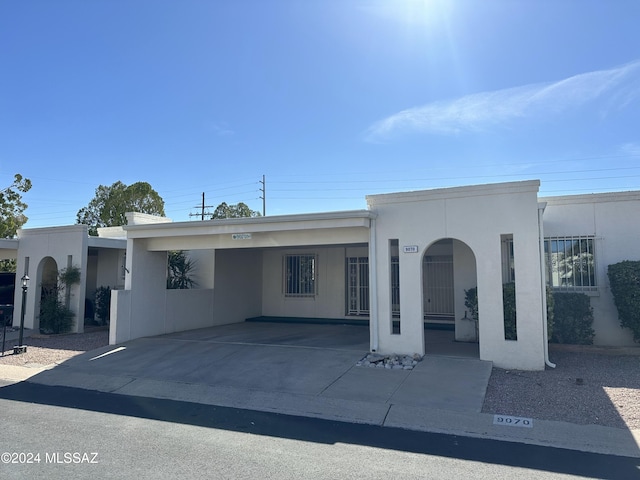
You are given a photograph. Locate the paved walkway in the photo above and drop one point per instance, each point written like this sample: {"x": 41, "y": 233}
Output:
{"x": 310, "y": 370}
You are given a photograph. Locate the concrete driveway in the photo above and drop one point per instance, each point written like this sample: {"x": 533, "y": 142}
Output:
{"x": 236, "y": 362}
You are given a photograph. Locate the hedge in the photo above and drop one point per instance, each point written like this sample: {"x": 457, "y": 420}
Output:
{"x": 573, "y": 319}
{"x": 624, "y": 278}
{"x": 569, "y": 315}
{"x": 509, "y": 309}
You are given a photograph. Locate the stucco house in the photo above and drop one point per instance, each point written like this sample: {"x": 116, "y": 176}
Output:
{"x": 404, "y": 262}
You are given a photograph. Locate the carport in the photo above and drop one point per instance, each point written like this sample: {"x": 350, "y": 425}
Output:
{"x": 279, "y": 266}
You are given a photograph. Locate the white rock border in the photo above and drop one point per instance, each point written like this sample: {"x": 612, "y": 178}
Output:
{"x": 390, "y": 362}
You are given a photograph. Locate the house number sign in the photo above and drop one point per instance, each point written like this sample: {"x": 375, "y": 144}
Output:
{"x": 241, "y": 236}
{"x": 410, "y": 249}
{"x": 509, "y": 421}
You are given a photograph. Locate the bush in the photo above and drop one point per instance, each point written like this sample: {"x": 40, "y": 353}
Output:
{"x": 624, "y": 278}
{"x": 471, "y": 302}
{"x": 509, "y": 309}
{"x": 55, "y": 317}
{"x": 551, "y": 313}
{"x": 103, "y": 304}
{"x": 69, "y": 276}
{"x": 179, "y": 269}
{"x": 573, "y": 319}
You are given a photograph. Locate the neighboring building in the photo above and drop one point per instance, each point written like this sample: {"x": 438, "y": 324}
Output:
{"x": 405, "y": 261}
{"x": 43, "y": 252}
{"x": 584, "y": 235}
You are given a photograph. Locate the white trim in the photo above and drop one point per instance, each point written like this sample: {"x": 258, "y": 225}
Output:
{"x": 454, "y": 192}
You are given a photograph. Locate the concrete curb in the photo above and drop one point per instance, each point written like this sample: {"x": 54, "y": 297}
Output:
{"x": 588, "y": 438}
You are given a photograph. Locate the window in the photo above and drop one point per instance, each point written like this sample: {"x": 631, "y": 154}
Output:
{"x": 508, "y": 267}
{"x": 123, "y": 266}
{"x": 300, "y": 275}
{"x": 570, "y": 263}
{"x": 395, "y": 285}
{"x": 358, "y": 285}
{"x": 509, "y": 304}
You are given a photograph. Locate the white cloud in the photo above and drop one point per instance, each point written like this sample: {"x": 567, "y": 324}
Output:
{"x": 480, "y": 111}
{"x": 221, "y": 129}
{"x": 631, "y": 149}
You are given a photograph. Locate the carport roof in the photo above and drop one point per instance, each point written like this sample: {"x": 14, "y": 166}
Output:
{"x": 100, "y": 242}
{"x": 8, "y": 248}
{"x": 344, "y": 219}
{"x": 9, "y": 243}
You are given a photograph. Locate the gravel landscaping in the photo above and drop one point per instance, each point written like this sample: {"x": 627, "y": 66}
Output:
{"x": 43, "y": 350}
{"x": 590, "y": 385}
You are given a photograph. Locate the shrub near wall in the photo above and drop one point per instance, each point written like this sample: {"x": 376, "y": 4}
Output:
{"x": 573, "y": 317}
{"x": 103, "y": 304}
{"x": 624, "y": 278}
{"x": 509, "y": 309}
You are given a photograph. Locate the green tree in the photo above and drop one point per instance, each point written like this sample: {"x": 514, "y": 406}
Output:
{"x": 108, "y": 207}
{"x": 238, "y": 210}
{"x": 12, "y": 214}
{"x": 12, "y": 207}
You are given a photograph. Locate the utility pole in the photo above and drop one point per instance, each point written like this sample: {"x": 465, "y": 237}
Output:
{"x": 264, "y": 196}
{"x": 202, "y": 208}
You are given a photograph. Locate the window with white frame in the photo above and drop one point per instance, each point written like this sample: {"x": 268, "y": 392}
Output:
{"x": 570, "y": 262}
{"x": 300, "y": 275}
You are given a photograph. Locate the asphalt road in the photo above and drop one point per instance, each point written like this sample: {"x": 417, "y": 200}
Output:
{"x": 72, "y": 433}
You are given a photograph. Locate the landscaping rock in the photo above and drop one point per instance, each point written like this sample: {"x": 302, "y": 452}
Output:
{"x": 393, "y": 361}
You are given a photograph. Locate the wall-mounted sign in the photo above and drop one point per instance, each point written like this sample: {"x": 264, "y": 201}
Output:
{"x": 410, "y": 249}
{"x": 241, "y": 236}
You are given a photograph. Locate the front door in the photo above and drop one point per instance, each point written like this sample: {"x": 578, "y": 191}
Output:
{"x": 357, "y": 286}
{"x": 438, "y": 297}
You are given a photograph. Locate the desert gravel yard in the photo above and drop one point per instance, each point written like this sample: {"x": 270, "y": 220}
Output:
{"x": 43, "y": 350}
{"x": 590, "y": 385}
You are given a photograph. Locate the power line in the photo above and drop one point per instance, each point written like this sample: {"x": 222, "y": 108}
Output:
{"x": 202, "y": 207}
{"x": 264, "y": 196}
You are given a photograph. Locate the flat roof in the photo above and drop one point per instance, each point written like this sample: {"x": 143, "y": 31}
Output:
{"x": 324, "y": 220}
{"x": 454, "y": 192}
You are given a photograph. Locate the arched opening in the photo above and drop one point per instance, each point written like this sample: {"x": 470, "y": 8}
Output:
{"x": 448, "y": 271}
{"x": 46, "y": 284}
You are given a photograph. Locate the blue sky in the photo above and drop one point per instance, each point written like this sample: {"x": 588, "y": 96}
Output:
{"x": 330, "y": 99}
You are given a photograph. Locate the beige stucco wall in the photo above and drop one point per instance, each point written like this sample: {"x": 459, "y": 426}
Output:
{"x": 238, "y": 285}
{"x": 150, "y": 309}
{"x": 329, "y": 301}
{"x": 110, "y": 268}
{"x": 464, "y": 278}
{"x": 203, "y": 267}
{"x": 614, "y": 220}
{"x": 477, "y": 216}
{"x": 59, "y": 243}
